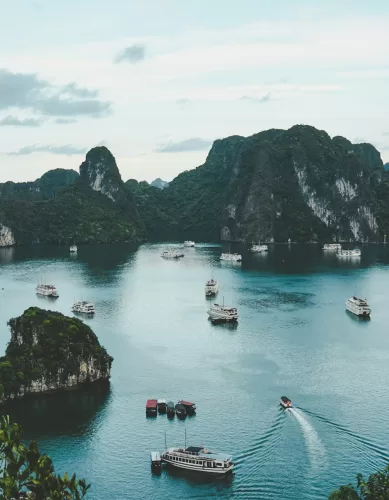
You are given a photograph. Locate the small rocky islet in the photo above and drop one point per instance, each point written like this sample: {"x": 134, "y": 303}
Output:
{"x": 49, "y": 352}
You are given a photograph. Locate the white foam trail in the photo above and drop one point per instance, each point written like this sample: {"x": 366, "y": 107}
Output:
{"x": 316, "y": 450}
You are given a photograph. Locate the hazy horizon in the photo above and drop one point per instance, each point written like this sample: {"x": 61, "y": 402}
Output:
{"x": 157, "y": 82}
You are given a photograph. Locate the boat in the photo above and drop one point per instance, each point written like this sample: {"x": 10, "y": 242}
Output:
{"x": 151, "y": 408}
{"x": 73, "y": 249}
{"x": 84, "y": 307}
{"x": 189, "y": 407}
{"x": 47, "y": 290}
{"x": 332, "y": 246}
{"x": 156, "y": 462}
{"x": 180, "y": 411}
{"x": 231, "y": 257}
{"x": 198, "y": 458}
{"x": 170, "y": 410}
{"x": 161, "y": 405}
{"x": 259, "y": 248}
{"x": 211, "y": 287}
{"x": 222, "y": 313}
{"x": 189, "y": 243}
{"x": 349, "y": 254}
{"x": 285, "y": 402}
{"x": 358, "y": 306}
{"x": 171, "y": 254}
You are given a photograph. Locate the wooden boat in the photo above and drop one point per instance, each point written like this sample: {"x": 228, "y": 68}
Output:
{"x": 151, "y": 408}
{"x": 189, "y": 407}
{"x": 170, "y": 409}
{"x": 180, "y": 411}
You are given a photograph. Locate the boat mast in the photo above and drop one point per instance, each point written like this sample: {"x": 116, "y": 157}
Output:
{"x": 185, "y": 438}
{"x": 165, "y": 441}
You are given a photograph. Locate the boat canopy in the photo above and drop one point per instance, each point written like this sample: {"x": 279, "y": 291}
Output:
{"x": 155, "y": 456}
{"x": 186, "y": 403}
{"x": 285, "y": 399}
{"x": 151, "y": 403}
{"x": 170, "y": 404}
{"x": 180, "y": 407}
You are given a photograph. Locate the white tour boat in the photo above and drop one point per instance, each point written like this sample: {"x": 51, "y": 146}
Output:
{"x": 231, "y": 257}
{"x": 83, "y": 307}
{"x": 189, "y": 243}
{"x": 358, "y": 306}
{"x": 211, "y": 287}
{"x": 73, "y": 249}
{"x": 332, "y": 246}
{"x": 47, "y": 290}
{"x": 198, "y": 458}
{"x": 349, "y": 254}
{"x": 222, "y": 313}
{"x": 171, "y": 254}
{"x": 259, "y": 248}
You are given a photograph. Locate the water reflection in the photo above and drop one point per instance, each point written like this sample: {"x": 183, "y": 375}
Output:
{"x": 62, "y": 413}
{"x": 7, "y": 255}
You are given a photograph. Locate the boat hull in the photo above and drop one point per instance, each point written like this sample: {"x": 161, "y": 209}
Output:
{"x": 358, "y": 312}
{"x": 285, "y": 406}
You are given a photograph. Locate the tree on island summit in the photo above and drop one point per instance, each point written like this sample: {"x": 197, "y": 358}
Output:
{"x": 25, "y": 473}
{"x": 376, "y": 487}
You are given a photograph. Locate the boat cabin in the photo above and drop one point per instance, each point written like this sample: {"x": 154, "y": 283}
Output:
{"x": 189, "y": 407}
{"x": 285, "y": 402}
{"x": 156, "y": 462}
{"x": 151, "y": 408}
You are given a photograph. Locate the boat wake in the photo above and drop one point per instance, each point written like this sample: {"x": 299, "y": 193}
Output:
{"x": 316, "y": 450}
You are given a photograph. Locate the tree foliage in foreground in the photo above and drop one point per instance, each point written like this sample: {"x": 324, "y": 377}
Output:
{"x": 25, "y": 473}
{"x": 376, "y": 487}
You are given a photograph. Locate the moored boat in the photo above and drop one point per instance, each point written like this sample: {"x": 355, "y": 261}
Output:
{"x": 198, "y": 458}
{"x": 151, "y": 408}
{"x": 211, "y": 287}
{"x": 170, "y": 410}
{"x": 47, "y": 290}
{"x": 189, "y": 407}
{"x": 84, "y": 307}
{"x": 358, "y": 306}
{"x": 286, "y": 402}
{"x": 73, "y": 249}
{"x": 161, "y": 404}
{"x": 180, "y": 410}
{"x": 172, "y": 254}
{"x": 259, "y": 248}
{"x": 349, "y": 254}
{"x": 332, "y": 246}
{"x": 219, "y": 312}
{"x": 189, "y": 243}
{"x": 156, "y": 462}
{"x": 231, "y": 257}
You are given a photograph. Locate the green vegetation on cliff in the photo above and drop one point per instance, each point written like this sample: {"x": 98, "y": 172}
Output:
{"x": 52, "y": 350}
{"x": 275, "y": 185}
{"x": 376, "y": 487}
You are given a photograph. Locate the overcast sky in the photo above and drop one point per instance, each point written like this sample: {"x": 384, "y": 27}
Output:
{"x": 157, "y": 81}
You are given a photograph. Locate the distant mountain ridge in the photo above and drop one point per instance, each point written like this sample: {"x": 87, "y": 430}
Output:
{"x": 159, "y": 183}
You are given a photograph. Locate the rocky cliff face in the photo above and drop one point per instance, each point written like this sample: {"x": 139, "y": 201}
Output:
{"x": 7, "y": 239}
{"x": 272, "y": 186}
{"x": 48, "y": 352}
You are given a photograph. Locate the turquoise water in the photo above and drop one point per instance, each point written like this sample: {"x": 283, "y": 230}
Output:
{"x": 293, "y": 338}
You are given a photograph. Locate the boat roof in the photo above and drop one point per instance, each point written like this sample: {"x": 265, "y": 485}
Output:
{"x": 151, "y": 403}
{"x": 285, "y": 399}
{"x": 202, "y": 452}
{"x": 170, "y": 404}
{"x": 155, "y": 456}
{"x": 160, "y": 401}
{"x": 180, "y": 406}
{"x": 186, "y": 403}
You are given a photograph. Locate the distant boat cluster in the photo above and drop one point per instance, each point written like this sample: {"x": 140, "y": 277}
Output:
{"x": 159, "y": 406}
{"x": 340, "y": 253}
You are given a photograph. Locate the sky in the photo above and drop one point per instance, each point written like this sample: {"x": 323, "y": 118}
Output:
{"x": 157, "y": 81}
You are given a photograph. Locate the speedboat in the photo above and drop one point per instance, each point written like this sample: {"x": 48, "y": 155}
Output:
{"x": 189, "y": 243}
{"x": 211, "y": 287}
{"x": 349, "y": 254}
{"x": 332, "y": 246}
{"x": 47, "y": 290}
{"x": 171, "y": 254}
{"x": 198, "y": 458}
{"x": 231, "y": 257}
{"x": 358, "y": 306}
{"x": 222, "y": 313}
{"x": 84, "y": 307}
{"x": 259, "y": 248}
{"x": 285, "y": 402}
